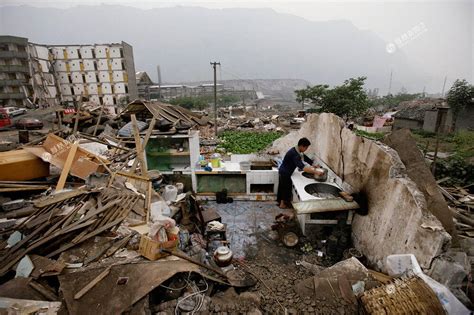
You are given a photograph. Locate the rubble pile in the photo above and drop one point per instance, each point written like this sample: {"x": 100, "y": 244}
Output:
{"x": 89, "y": 224}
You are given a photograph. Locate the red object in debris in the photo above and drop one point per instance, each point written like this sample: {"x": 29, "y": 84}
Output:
{"x": 69, "y": 111}
{"x": 5, "y": 120}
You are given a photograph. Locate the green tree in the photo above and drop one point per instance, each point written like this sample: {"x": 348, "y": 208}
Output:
{"x": 347, "y": 100}
{"x": 460, "y": 95}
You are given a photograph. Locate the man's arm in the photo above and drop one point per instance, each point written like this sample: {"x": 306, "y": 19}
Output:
{"x": 307, "y": 159}
{"x": 300, "y": 165}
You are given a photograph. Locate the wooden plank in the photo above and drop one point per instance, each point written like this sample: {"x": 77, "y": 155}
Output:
{"x": 67, "y": 167}
{"x": 145, "y": 141}
{"x": 47, "y": 293}
{"x": 86, "y": 237}
{"x": 92, "y": 284}
{"x": 138, "y": 145}
{"x": 23, "y": 189}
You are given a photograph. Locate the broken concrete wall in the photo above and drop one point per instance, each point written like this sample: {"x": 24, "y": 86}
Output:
{"x": 398, "y": 220}
{"x": 414, "y": 161}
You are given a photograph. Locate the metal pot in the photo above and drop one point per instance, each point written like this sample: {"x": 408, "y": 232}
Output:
{"x": 324, "y": 174}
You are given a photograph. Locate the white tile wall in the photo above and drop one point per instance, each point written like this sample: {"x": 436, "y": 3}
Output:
{"x": 88, "y": 65}
{"x": 63, "y": 78}
{"x": 91, "y": 77}
{"x": 76, "y": 77}
{"x": 60, "y": 65}
{"x": 102, "y": 64}
{"x": 72, "y": 52}
{"x": 92, "y": 88}
{"x": 44, "y": 65}
{"x": 94, "y": 98}
{"x": 42, "y": 52}
{"x": 108, "y": 99}
{"x": 101, "y": 51}
{"x": 58, "y": 52}
{"x": 106, "y": 88}
{"x": 118, "y": 76}
{"x": 119, "y": 88}
{"x": 78, "y": 89}
{"x": 75, "y": 65}
{"x": 104, "y": 76}
{"x": 66, "y": 89}
{"x": 114, "y": 52}
{"x": 86, "y": 52}
{"x": 116, "y": 64}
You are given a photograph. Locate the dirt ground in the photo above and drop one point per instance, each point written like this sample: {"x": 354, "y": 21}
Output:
{"x": 248, "y": 227}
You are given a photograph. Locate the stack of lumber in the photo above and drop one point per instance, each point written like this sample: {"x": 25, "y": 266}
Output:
{"x": 66, "y": 219}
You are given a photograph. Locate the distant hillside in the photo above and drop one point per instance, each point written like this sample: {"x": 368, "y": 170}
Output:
{"x": 250, "y": 43}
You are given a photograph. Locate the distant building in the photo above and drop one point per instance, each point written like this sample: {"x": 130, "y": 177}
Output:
{"x": 15, "y": 84}
{"x": 102, "y": 73}
{"x": 143, "y": 84}
{"x": 429, "y": 114}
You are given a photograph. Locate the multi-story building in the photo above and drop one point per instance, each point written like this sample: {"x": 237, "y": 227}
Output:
{"x": 102, "y": 73}
{"x": 15, "y": 84}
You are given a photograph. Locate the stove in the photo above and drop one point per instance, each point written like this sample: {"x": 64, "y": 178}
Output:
{"x": 319, "y": 202}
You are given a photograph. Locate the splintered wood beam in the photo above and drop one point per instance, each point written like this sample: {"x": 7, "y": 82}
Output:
{"x": 145, "y": 141}
{"x": 67, "y": 166}
{"x": 138, "y": 145}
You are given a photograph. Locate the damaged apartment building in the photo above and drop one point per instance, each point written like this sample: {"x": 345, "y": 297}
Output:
{"x": 47, "y": 75}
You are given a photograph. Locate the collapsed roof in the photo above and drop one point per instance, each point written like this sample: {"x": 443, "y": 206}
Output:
{"x": 159, "y": 110}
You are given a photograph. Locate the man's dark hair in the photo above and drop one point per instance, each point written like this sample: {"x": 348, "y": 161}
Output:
{"x": 304, "y": 142}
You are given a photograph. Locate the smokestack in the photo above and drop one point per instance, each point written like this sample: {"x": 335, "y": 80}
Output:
{"x": 159, "y": 74}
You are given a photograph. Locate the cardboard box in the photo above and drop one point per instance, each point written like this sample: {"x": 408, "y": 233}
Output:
{"x": 150, "y": 248}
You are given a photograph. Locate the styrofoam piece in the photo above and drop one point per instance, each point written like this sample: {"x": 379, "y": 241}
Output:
{"x": 24, "y": 268}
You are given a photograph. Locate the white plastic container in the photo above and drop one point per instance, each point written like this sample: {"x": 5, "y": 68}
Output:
{"x": 171, "y": 192}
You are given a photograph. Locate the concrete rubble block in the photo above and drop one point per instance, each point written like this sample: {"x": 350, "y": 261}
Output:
{"x": 461, "y": 258}
{"x": 467, "y": 245}
{"x": 447, "y": 272}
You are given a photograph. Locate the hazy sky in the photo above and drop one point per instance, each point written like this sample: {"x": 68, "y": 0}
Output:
{"x": 446, "y": 26}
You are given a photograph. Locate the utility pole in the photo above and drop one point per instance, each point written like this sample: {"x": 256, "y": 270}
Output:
{"x": 390, "y": 83}
{"x": 158, "y": 70}
{"x": 214, "y": 64}
{"x": 444, "y": 85}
